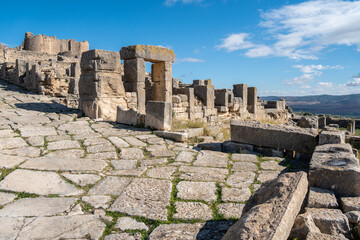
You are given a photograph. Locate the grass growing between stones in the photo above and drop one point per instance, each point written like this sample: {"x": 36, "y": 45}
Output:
{"x": 216, "y": 215}
{"x": 6, "y": 171}
{"x": 26, "y": 195}
{"x": 184, "y": 124}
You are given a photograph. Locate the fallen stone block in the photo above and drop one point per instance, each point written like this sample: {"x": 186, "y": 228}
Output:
{"x": 274, "y": 136}
{"x": 177, "y": 136}
{"x": 271, "y": 211}
{"x": 350, "y": 204}
{"x": 128, "y": 117}
{"x": 322, "y": 236}
{"x": 234, "y": 147}
{"x": 304, "y": 224}
{"x": 331, "y": 137}
{"x": 334, "y": 167}
{"x": 330, "y": 221}
{"x": 321, "y": 198}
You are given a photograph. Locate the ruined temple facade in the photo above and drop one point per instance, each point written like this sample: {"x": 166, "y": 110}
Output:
{"x": 115, "y": 85}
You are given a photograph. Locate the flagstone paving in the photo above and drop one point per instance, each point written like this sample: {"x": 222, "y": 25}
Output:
{"x": 65, "y": 176}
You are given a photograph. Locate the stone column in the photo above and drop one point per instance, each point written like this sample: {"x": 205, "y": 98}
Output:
{"x": 134, "y": 80}
{"x": 162, "y": 79}
{"x": 252, "y": 100}
{"x": 241, "y": 90}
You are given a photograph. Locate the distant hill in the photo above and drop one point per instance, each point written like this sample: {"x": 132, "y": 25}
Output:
{"x": 344, "y": 105}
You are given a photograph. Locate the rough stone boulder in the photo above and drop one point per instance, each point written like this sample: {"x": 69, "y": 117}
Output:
{"x": 148, "y": 52}
{"x": 302, "y": 140}
{"x": 331, "y": 137}
{"x": 270, "y": 213}
{"x": 334, "y": 167}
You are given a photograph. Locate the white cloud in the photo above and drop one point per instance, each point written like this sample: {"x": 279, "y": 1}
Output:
{"x": 172, "y": 2}
{"x": 355, "y": 82}
{"x": 301, "y": 31}
{"x": 193, "y": 60}
{"x": 325, "y": 84}
{"x": 309, "y": 74}
{"x": 235, "y": 41}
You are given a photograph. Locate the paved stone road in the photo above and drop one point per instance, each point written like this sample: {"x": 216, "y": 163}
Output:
{"x": 64, "y": 177}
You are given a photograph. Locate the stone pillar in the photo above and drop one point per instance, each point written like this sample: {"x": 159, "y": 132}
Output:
{"x": 241, "y": 90}
{"x": 191, "y": 99}
{"x": 158, "y": 115}
{"x": 353, "y": 124}
{"x": 134, "y": 80}
{"x": 162, "y": 79}
{"x": 252, "y": 100}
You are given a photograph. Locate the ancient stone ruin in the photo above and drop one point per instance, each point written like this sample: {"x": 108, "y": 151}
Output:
{"x": 103, "y": 86}
{"x": 81, "y": 159}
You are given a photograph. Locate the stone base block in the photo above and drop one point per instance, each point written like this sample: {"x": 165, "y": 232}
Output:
{"x": 158, "y": 115}
{"x": 334, "y": 167}
{"x": 129, "y": 117}
{"x": 331, "y": 137}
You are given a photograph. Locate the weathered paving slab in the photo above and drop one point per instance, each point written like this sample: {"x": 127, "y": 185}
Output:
{"x": 8, "y": 161}
{"x": 63, "y": 227}
{"x": 196, "y": 191}
{"x": 302, "y": 140}
{"x": 271, "y": 211}
{"x": 207, "y": 158}
{"x": 145, "y": 197}
{"x": 82, "y": 179}
{"x": 128, "y": 223}
{"x": 30, "y": 131}
{"x": 64, "y": 164}
{"x": 235, "y": 194}
{"x": 11, "y": 143}
{"x": 42, "y": 183}
{"x": 192, "y": 210}
{"x": 334, "y": 167}
{"x": 6, "y": 198}
{"x": 64, "y": 144}
{"x": 241, "y": 179}
{"x": 203, "y": 174}
{"x": 110, "y": 186}
{"x": 321, "y": 198}
{"x": 184, "y": 231}
{"x": 29, "y": 207}
{"x": 230, "y": 210}
{"x": 185, "y": 156}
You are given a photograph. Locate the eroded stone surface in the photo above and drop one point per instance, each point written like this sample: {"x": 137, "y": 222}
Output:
{"x": 42, "y": 183}
{"x": 211, "y": 159}
{"x": 127, "y": 223}
{"x": 196, "y": 191}
{"x": 192, "y": 210}
{"x": 110, "y": 186}
{"x": 145, "y": 197}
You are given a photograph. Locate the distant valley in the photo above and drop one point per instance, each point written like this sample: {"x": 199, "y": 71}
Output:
{"x": 344, "y": 105}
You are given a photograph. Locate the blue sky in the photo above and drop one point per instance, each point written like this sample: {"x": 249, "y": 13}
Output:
{"x": 282, "y": 47}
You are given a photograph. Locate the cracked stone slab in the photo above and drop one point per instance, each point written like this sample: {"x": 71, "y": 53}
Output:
{"x": 152, "y": 162}
{"x": 192, "y": 210}
{"x": 123, "y": 236}
{"x": 244, "y": 166}
{"x": 10, "y": 227}
{"x": 244, "y": 157}
{"x": 118, "y": 142}
{"x": 31, "y": 207}
{"x": 24, "y": 152}
{"x": 42, "y": 183}
{"x": 72, "y": 153}
{"x": 135, "y": 142}
{"x": 63, "y": 227}
{"x": 7, "y": 133}
{"x": 124, "y": 164}
{"x": 145, "y": 197}
{"x": 241, "y": 179}
{"x": 183, "y": 231}
{"x": 161, "y": 172}
{"x": 235, "y": 194}
{"x": 131, "y": 153}
{"x": 82, "y": 179}
{"x": 64, "y": 164}
{"x": 6, "y": 198}
{"x": 95, "y": 141}
{"x": 196, "y": 191}
{"x": 107, "y": 147}
{"x": 137, "y": 172}
{"x": 36, "y": 141}
{"x": 207, "y": 158}
{"x": 203, "y": 173}
{"x": 102, "y": 155}
{"x": 185, "y": 156}
{"x": 110, "y": 186}
{"x": 97, "y": 201}
{"x": 11, "y": 143}
{"x": 272, "y": 165}
{"x": 64, "y": 144}
{"x": 231, "y": 210}
{"x": 8, "y": 161}
{"x": 128, "y": 223}
{"x": 30, "y": 131}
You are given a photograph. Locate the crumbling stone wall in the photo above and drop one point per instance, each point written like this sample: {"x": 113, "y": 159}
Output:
{"x": 51, "y": 45}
